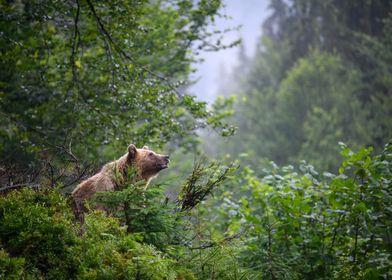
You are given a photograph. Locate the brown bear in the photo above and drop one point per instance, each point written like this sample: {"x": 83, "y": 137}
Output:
{"x": 145, "y": 162}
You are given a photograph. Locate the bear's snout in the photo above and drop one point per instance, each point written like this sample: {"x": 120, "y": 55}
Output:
{"x": 165, "y": 161}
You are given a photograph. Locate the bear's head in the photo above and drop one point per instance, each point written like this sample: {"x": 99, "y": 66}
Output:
{"x": 147, "y": 162}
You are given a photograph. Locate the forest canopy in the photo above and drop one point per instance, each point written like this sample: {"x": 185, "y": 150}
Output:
{"x": 81, "y": 79}
{"x": 321, "y": 75}
{"x": 300, "y": 187}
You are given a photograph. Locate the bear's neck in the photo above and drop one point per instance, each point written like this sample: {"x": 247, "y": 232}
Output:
{"x": 123, "y": 163}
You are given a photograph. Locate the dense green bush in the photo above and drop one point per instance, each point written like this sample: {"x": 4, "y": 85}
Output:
{"x": 39, "y": 232}
{"x": 37, "y": 226}
{"x": 309, "y": 225}
{"x": 39, "y": 235}
{"x": 276, "y": 223}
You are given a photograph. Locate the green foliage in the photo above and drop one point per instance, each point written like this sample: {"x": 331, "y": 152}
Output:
{"x": 315, "y": 107}
{"x": 320, "y": 92}
{"x": 81, "y": 79}
{"x": 275, "y": 223}
{"x": 116, "y": 255}
{"x": 321, "y": 75}
{"x": 202, "y": 182}
{"x": 11, "y": 268}
{"x": 38, "y": 228}
{"x": 146, "y": 236}
{"x": 151, "y": 218}
{"x": 306, "y": 225}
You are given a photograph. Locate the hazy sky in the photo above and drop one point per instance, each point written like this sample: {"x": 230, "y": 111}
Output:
{"x": 248, "y": 13}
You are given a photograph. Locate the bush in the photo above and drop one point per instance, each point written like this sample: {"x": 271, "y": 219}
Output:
{"x": 38, "y": 227}
{"x": 307, "y": 225}
{"x": 39, "y": 240}
{"x": 39, "y": 235}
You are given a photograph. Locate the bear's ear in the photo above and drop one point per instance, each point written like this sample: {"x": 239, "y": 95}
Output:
{"x": 145, "y": 148}
{"x": 132, "y": 151}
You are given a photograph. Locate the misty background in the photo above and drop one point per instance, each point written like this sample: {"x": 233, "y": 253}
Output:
{"x": 248, "y": 15}
{"x": 307, "y": 78}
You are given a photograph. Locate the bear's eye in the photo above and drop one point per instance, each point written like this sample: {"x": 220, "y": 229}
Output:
{"x": 151, "y": 154}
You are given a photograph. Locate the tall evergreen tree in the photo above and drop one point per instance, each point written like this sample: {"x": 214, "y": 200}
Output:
{"x": 321, "y": 75}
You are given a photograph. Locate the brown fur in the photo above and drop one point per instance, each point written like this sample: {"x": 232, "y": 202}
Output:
{"x": 146, "y": 163}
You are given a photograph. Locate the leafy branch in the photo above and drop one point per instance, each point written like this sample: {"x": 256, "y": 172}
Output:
{"x": 202, "y": 181}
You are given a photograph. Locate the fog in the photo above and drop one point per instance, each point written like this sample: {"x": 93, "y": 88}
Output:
{"x": 249, "y": 15}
